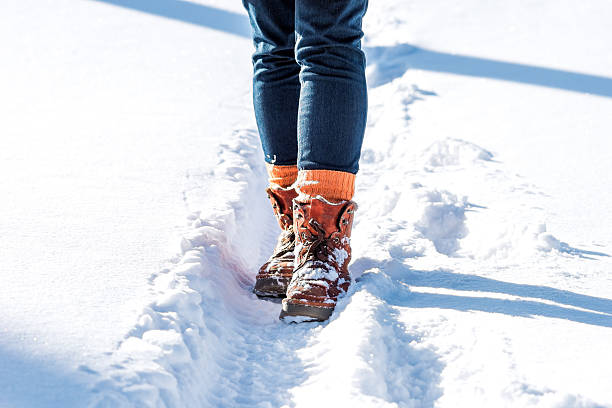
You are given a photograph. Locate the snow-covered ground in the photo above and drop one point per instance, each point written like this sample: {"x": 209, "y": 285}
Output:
{"x": 482, "y": 244}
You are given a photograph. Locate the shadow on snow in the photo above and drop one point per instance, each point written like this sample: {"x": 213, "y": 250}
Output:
{"x": 394, "y": 283}
{"x": 35, "y": 382}
{"x": 192, "y": 13}
{"x": 390, "y": 62}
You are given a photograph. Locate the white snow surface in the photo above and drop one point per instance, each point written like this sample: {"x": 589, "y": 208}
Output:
{"x": 481, "y": 246}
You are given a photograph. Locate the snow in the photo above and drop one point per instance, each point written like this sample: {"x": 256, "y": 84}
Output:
{"x": 134, "y": 215}
{"x": 317, "y": 273}
{"x": 340, "y": 255}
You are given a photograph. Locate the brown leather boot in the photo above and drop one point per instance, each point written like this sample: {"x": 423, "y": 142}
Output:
{"x": 322, "y": 256}
{"x": 275, "y": 274}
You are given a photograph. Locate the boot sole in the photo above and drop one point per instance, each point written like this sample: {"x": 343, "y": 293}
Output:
{"x": 297, "y": 313}
{"x": 271, "y": 287}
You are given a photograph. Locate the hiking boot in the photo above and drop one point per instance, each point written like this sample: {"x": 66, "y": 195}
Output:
{"x": 275, "y": 274}
{"x": 322, "y": 255}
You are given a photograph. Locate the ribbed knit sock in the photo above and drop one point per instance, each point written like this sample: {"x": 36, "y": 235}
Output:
{"x": 281, "y": 176}
{"x": 334, "y": 186}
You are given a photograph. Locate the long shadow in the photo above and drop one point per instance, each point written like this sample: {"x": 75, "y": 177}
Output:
{"x": 391, "y": 62}
{"x": 393, "y": 285}
{"x": 582, "y": 253}
{"x": 192, "y": 13}
{"x": 29, "y": 382}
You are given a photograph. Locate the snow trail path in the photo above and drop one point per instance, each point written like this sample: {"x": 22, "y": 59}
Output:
{"x": 208, "y": 341}
{"x": 462, "y": 295}
{"x": 481, "y": 267}
{"x": 440, "y": 312}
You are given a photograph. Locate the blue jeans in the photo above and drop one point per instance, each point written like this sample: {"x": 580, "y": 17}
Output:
{"x": 309, "y": 88}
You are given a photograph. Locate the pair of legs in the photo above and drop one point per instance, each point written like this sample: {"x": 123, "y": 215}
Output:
{"x": 310, "y": 99}
{"x": 309, "y": 91}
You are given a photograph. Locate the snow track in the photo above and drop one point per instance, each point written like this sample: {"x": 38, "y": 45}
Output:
{"x": 208, "y": 341}
{"x": 429, "y": 269}
{"x": 457, "y": 282}
{"x": 481, "y": 245}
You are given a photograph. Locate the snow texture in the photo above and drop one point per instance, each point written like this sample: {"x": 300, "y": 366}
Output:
{"x": 481, "y": 247}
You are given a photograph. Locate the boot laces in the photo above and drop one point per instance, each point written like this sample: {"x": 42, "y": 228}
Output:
{"x": 286, "y": 243}
{"x": 317, "y": 248}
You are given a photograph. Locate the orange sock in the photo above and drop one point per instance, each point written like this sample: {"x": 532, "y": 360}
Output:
{"x": 332, "y": 185}
{"x": 281, "y": 176}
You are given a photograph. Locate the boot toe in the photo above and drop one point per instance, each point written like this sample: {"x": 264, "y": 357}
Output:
{"x": 275, "y": 286}
{"x": 298, "y": 312}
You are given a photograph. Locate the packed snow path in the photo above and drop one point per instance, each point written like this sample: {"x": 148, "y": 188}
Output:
{"x": 481, "y": 279}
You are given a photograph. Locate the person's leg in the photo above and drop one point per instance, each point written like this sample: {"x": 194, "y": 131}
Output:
{"x": 333, "y": 98}
{"x": 331, "y": 125}
{"x": 276, "y": 86}
{"x": 276, "y": 92}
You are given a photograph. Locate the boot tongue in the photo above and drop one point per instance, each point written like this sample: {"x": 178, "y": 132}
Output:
{"x": 284, "y": 199}
{"x": 315, "y": 229}
{"x": 281, "y": 200}
{"x": 326, "y": 214}
{"x": 313, "y": 244}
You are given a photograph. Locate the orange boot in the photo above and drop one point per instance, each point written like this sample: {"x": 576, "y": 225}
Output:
{"x": 275, "y": 274}
{"x": 322, "y": 252}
